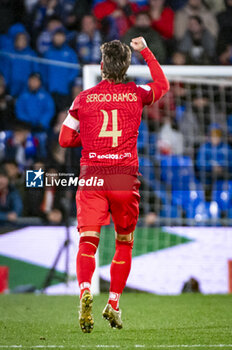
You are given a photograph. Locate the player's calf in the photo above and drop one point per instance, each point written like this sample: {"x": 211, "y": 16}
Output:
{"x": 85, "y": 263}
{"x": 89, "y": 241}
{"x": 120, "y": 269}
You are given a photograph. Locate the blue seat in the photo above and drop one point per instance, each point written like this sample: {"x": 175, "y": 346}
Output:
{"x": 152, "y": 144}
{"x": 146, "y": 167}
{"x": 170, "y": 211}
{"x": 222, "y": 194}
{"x": 229, "y": 213}
{"x": 143, "y": 137}
{"x": 42, "y": 140}
{"x": 213, "y": 209}
{"x": 177, "y": 171}
{"x": 192, "y": 195}
{"x": 204, "y": 213}
{"x": 163, "y": 194}
{"x": 4, "y": 136}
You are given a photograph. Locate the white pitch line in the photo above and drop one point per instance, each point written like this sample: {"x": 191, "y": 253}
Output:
{"x": 158, "y": 346}
{"x": 193, "y": 346}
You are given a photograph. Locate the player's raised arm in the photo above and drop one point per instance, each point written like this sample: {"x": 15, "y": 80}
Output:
{"x": 69, "y": 135}
{"x": 160, "y": 84}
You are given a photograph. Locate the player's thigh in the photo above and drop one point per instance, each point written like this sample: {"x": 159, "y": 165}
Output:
{"x": 92, "y": 208}
{"x": 124, "y": 207}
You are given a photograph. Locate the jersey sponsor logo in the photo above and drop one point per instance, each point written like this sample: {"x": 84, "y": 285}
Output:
{"x": 122, "y": 97}
{"x": 125, "y": 155}
{"x": 92, "y": 155}
{"x": 109, "y": 156}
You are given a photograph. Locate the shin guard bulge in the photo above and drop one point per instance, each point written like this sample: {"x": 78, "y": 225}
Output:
{"x": 85, "y": 263}
{"x": 119, "y": 271}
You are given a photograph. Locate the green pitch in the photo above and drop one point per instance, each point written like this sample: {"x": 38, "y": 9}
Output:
{"x": 150, "y": 322}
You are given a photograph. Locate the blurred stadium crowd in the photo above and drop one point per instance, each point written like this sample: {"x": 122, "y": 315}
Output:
{"x": 185, "y": 140}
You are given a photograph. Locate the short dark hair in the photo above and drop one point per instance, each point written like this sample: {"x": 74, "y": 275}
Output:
{"x": 21, "y": 125}
{"x": 59, "y": 30}
{"x": 3, "y": 172}
{"x": 143, "y": 13}
{"x": 197, "y": 19}
{"x": 35, "y": 75}
{"x": 53, "y": 18}
{"x": 116, "y": 58}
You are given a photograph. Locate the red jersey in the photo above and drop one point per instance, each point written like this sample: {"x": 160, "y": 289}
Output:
{"x": 109, "y": 116}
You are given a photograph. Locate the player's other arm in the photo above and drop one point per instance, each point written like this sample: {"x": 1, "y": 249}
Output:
{"x": 160, "y": 84}
{"x": 69, "y": 135}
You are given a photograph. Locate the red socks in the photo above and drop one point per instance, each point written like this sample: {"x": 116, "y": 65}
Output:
{"x": 119, "y": 271}
{"x": 86, "y": 261}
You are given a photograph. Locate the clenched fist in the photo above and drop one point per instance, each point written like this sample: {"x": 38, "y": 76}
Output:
{"x": 138, "y": 44}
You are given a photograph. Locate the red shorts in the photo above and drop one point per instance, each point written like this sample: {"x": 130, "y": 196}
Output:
{"x": 95, "y": 206}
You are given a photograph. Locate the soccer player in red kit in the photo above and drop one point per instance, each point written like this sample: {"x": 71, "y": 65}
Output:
{"x": 105, "y": 121}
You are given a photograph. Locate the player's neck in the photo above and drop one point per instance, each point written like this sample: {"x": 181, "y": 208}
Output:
{"x": 112, "y": 81}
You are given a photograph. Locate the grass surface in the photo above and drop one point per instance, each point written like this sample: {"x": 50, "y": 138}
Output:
{"x": 149, "y": 322}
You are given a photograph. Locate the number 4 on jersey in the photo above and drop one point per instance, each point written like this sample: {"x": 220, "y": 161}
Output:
{"x": 114, "y": 133}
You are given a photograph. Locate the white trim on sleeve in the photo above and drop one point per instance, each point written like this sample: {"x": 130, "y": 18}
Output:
{"x": 71, "y": 122}
{"x": 145, "y": 87}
